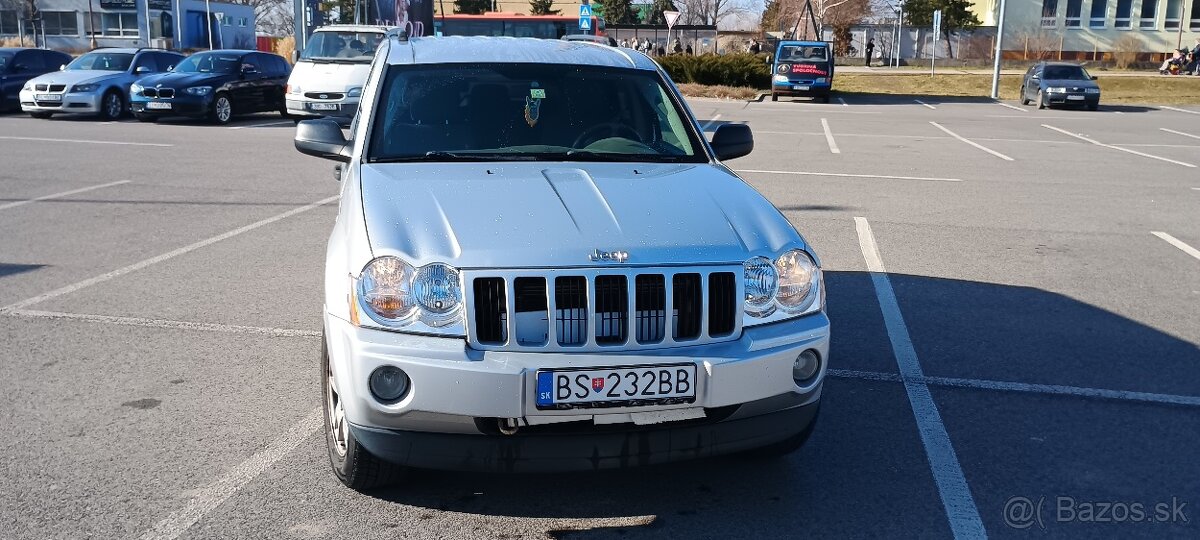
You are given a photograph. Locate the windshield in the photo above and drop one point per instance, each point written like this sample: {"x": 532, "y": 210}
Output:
{"x": 209, "y": 63}
{"x": 1068, "y": 73}
{"x": 489, "y": 112}
{"x": 352, "y": 47}
{"x": 102, "y": 61}
{"x": 803, "y": 53}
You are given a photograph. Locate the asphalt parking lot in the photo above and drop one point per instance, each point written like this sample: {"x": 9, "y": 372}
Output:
{"x": 1013, "y": 295}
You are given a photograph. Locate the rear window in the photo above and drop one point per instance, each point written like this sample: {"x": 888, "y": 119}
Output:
{"x": 803, "y": 53}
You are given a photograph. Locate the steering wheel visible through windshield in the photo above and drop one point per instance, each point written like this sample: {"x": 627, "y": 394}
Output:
{"x": 209, "y": 63}
{"x": 491, "y": 112}
{"x": 102, "y": 61}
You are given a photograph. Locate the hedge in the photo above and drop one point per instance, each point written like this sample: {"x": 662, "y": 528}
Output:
{"x": 741, "y": 69}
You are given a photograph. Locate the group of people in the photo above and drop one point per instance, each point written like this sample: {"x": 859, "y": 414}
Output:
{"x": 648, "y": 47}
{"x": 1182, "y": 62}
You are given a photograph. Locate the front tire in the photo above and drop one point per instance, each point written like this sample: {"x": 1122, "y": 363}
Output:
{"x": 222, "y": 109}
{"x": 1041, "y": 100}
{"x": 1024, "y": 100}
{"x": 112, "y": 106}
{"x": 353, "y": 465}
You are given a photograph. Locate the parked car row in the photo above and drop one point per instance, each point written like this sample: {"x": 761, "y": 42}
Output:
{"x": 149, "y": 83}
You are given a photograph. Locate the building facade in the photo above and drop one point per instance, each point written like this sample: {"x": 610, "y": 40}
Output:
{"x": 80, "y": 25}
{"x": 1088, "y": 29}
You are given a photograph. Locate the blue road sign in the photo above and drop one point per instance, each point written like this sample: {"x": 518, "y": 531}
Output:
{"x": 585, "y": 23}
{"x": 585, "y": 10}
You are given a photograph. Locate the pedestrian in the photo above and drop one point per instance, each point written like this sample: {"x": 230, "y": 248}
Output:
{"x": 1196, "y": 58}
{"x": 754, "y": 48}
{"x": 677, "y": 48}
{"x": 688, "y": 50}
{"x": 870, "y": 51}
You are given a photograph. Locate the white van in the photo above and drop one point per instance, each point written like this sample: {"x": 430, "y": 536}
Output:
{"x": 329, "y": 74}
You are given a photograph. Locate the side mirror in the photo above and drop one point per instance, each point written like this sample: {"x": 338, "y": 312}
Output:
{"x": 171, "y": 67}
{"x": 1094, "y": 77}
{"x": 322, "y": 138}
{"x": 732, "y": 141}
{"x": 142, "y": 69}
{"x": 62, "y": 67}
{"x": 295, "y": 56}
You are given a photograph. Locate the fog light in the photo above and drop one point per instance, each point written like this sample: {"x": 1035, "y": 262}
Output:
{"x": 806, "y": 367}
{"x": 388, "y": 383}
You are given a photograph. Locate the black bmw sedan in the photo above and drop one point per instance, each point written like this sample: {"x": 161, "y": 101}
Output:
{"x": 214, "y": 84}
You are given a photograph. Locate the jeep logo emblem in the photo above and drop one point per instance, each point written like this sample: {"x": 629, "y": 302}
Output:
{"x": 609, "y": 256}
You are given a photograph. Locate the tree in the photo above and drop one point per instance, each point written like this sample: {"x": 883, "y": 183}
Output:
{"x": 472, "y": 7}
{"x": 657, "y": 9}
{"x": 710, "y": 11}
{"x": 840, "y": 14}
{"x": 769, "y": 21}
{"x": 542, "y": 7}
{"x": 956, "y": 16}
{"x": 617, "y": 11}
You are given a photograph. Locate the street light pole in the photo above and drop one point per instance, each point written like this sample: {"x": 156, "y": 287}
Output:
{"x": 208, "y": 21}
{"x": 999, "y": 52}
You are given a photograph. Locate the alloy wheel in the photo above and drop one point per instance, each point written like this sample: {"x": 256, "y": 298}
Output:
{"x": 337, "y": 415}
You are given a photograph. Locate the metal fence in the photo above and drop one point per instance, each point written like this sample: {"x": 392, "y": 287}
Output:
{"x": 701, "y": 38}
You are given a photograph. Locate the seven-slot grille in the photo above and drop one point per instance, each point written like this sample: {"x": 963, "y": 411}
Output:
{"x": 602, "y": 309}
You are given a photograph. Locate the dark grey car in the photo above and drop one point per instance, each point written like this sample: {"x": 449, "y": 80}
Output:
{"x": 1059, "y": 83}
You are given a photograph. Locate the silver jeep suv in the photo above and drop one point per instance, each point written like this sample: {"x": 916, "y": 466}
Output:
{"x": 539, "y": 263}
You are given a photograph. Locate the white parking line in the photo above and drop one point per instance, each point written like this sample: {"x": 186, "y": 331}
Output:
{"x": 849, "y": 175}
{"x": 1032, "y": 388}
{"x": 1196, "y": 188}
{"x": 970, "y": 142}
{"x": 925, "y": 104}
{"x": 278, "y": 123}
{"x": 160, "y": 258}
{"x": 122, "y": 143}
{"x": 216, "y": 493}
{"x": 1013, "y": 107}
{"x": 1178, "y": 243}
{"x": 1180, "y": 133}
{"x": 833, "y": 147}
{"x": 710, "y": 122}
{"x": 15, "y": 204}
{"x": 842, "y": 100}
{"x": 1134, "y": 152}
{"x": 1176, "y": 109}
{"x": 943, "y": 461}
{"x": 164, "y": 323}
{"x": 1039, "y": 117}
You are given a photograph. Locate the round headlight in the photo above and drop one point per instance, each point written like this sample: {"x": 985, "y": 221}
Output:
{"x": 438, "y": 289}
{"x": 761, "y": 285}
{"x": 798, "y": 277}
{"x": 385, "y": 290}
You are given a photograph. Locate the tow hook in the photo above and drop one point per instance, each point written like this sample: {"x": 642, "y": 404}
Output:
{"x": 508, "y": 426}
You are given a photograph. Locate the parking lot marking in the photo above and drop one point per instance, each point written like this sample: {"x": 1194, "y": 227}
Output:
{"x": 216, "y": 493}
{"x": 164, "y": 323}
{"x": 267, "y": 124}
{"x": 1134, "y": 152}
{"x": 842, "y": 100}
{"x": 833, "y": 147}
{"x": 160, "y": 258}
{"x": 710, "y": 122}
{"x": 925, "y": 104}
{"x": 1176, "y": 109}
{"x": 1031, "y": 388}
{"x": 1178, "y": 243}
{"x": 849, "y": 175}
{"x": 943, "y": 461}
{"x": 970, "y": 142}
{"x": 15, "y": 204}
{"x": 1180, "y": 133}
{"x": 1013, "y": 107}
{"x": 1039, "y": 117}
{"x": 123, "y": 143}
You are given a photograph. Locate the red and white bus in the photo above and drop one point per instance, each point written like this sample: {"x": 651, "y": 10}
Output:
{"x": 513, "y": 24}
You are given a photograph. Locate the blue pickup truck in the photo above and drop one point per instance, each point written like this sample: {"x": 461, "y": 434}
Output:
{"x": 802, "y": 68}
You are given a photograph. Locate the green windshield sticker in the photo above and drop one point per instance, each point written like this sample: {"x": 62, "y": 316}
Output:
{"x": 537, "y": 93}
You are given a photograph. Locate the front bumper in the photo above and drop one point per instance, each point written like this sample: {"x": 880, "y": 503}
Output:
{"x": 181, "y": 105}
{"x": 558, "y": 450}
{"x": 70, "y": 103}
{"x": 303, "y": 107}
{"x": 1076, "y": 99}
{"x": 452, "y": 385}
{"x": 800, "y": 88}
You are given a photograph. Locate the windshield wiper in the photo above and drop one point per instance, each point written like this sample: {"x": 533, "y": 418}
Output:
{"x": 588, "y": 155}
{"x": 441, "y": 155}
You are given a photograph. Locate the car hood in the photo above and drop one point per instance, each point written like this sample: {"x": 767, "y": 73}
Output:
{"x": 557, "y": 214}
{"x": 328, "y": 77}
{"x": 81, "y": 76}
{"x": 1070, "y": 83}
{"x": 185, "y": 80}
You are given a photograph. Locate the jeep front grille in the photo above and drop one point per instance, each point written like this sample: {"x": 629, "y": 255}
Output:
{"x": 602, "y": 309}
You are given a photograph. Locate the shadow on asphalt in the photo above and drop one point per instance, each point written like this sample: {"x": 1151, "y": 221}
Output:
{"x": 7, "y": 269}
{"x": 865, "y": 454}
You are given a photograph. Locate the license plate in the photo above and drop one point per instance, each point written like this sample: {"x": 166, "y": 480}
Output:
{"x": 48, "y": 97}
{"x": 616, "y": 387}
{"x": 800, "y": 87}
{"x": 157, "y": 105}
{"x": 324, "y": 106}
{"x": 1075, "y": 98}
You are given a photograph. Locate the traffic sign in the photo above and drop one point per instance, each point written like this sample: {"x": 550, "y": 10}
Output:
{"x": 937, "y": 20}
{"x": 585, "y": 23}
{"x": 671, "y": 17}
{"x": 585, "y": 10}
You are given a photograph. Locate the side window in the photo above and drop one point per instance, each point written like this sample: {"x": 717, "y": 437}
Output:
{"x": 167, "y": 61}
{"x": 250, "y": 61}
{"x": 145, "y": 60}
{"x": 32, "y": 60}
{"x": 54, "y": 59}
